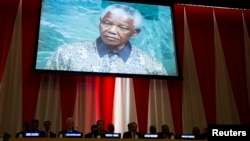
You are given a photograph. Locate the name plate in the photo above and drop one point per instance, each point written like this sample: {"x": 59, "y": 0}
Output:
{"x": 73, "y": 134}
{"x": 112, "y": 135}
{"x": 31, "y": 134}
{"x": 150, "y": 135}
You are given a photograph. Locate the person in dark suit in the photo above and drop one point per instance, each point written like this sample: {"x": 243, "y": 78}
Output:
{"x": 197, "y": 133}
{"x": 48, "y": 133}
{"x": 111, "y": 131}
{"x": 100, "y": 132}
{"x": 69, "y": 129}
{"x": 35, "y": 126}
{"x": 92, "y": 133}
{"x": 165, "y": 134}
{"x": 152, "y": 132}
{"x": 111, "y": 128}
{"x": 132, "y": 133}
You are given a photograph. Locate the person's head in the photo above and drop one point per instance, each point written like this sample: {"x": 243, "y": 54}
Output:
{"x": 196, "y": 130}
{"x": 26, "y": 126}
{"x": 93, "y": 128}
{"x": 152, "y": 129}
{"x": 111, "y": 128}
{"x": 34, "y": 124}
{"x": 133, "y": 126}
{"x": 118, "y": 24}
{"x": 47, "y": 125}
{"x": 70, "y": 123}
{"x": 165, "y": 128}
{"x": 100, "y": 124}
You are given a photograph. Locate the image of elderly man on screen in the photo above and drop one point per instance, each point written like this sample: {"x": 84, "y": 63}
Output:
{"x": 112, "y": 51}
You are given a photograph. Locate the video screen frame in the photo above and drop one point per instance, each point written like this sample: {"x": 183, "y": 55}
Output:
{"x": 49, "y": 34}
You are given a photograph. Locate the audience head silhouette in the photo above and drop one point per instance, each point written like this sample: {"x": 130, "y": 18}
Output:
{"x": 111, "y": 128}
{"x": 34, "y": 125}
{"x": 152, "y": 129}
{"x": 196, "y": 130}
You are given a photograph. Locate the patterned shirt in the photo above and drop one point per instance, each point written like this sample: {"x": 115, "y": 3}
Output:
{"x": 95, "y": 56}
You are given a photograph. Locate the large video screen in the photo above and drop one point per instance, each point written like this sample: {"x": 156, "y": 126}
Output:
{"x": 107, "y": 37}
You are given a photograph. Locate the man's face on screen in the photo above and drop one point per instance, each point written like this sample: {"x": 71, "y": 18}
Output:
{"x": 116, "y": 29}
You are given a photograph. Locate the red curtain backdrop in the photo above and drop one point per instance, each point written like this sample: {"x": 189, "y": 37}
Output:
{"x": 107, "y": 97}
{"x": 8, "y": 12}
{"x": 196, "y": 39}
{"x": 231, "y": 20}
{"x": 204, "y": 54}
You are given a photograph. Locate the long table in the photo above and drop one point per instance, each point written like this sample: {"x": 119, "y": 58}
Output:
{"x": 90, "y": 139}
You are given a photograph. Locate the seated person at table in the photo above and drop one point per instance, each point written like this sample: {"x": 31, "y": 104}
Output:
{"x": 70, "y": 129}
{"x": 152, "y": 133}
{"x": 197, "y": 133}
{"x": 92, "y": 133}
{"x": 152, "y": 129}
{"x": 111, "y": 128}
{"x": 132, "y": 133}
{"x": 165, "y": 132}
{"x": 48, "y": 133}
{"x": 111, "y": 132}
{"x": 100, "y": 132}
{"x": 34, "y": 128}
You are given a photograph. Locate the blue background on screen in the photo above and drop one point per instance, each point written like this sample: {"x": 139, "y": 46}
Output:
{"x": 66, "y": 21}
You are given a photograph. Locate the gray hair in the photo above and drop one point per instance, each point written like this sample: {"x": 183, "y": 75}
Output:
{"x": 130, "y": 12}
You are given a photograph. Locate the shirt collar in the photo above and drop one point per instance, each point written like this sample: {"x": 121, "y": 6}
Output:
{"x": 102, "y": 49}
{"x": 68, "y": 130}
